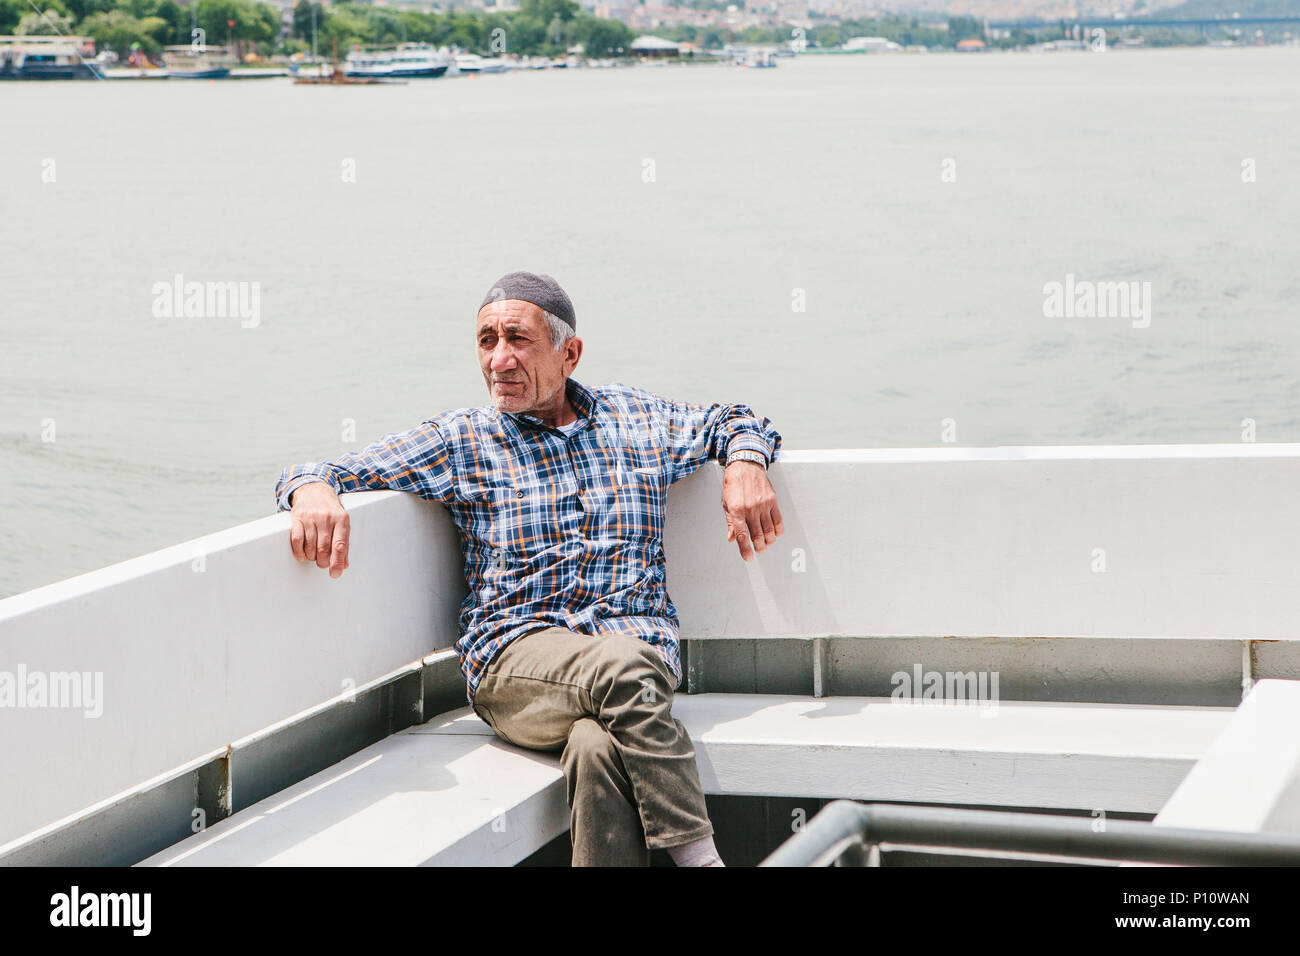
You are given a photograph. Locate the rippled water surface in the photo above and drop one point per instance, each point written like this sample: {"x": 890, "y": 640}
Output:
{"x": 916, "y": 206}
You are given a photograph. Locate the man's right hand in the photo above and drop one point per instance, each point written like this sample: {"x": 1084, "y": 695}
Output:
{"x": 319, "y": 527}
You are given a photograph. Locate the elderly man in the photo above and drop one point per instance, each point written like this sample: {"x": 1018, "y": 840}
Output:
{"x": 568, "y": 639}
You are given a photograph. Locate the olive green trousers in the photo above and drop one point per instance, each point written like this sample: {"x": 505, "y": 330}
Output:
{"x": 606, "y": 701}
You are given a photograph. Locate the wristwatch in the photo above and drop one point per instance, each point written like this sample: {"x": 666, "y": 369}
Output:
{"x": 747, "y": 455}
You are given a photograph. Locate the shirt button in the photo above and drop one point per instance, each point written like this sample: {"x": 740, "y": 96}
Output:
{"x": 519, "y": 494}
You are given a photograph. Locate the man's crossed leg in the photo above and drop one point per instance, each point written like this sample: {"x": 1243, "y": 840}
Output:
{"x": 633, "y": 784}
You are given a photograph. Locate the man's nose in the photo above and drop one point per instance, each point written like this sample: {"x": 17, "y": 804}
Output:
{"x": 503, "y": 358}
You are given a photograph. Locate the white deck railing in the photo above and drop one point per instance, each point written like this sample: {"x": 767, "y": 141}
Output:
{"x": 209, "y": 641}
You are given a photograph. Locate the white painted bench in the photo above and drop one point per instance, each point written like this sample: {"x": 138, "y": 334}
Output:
{"x": 449, "y": 792}
{"x": 959, "y": 559}
{"x": 1249, "y": 780}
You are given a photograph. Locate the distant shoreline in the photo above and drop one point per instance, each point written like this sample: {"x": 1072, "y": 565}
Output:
{"x": 274, "y": 70}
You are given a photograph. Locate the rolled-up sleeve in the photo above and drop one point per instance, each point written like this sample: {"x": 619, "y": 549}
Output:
{"x": 697, "y": 433}
{"x": 418, "y": 461}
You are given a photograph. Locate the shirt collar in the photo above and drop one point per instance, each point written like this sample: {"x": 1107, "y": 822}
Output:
{"x": 582, "y": 398}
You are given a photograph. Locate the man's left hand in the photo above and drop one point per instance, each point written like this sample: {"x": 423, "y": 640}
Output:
{"x": 749, "y": 502}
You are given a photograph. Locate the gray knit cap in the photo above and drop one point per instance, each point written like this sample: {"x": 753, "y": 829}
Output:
{"x": 537, "y": 288}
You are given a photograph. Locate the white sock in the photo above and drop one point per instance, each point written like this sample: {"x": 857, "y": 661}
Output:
{"x": 699, "y": 852}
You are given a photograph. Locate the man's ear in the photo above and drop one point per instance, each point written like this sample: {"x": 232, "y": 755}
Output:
{"x": 572, "y": 352}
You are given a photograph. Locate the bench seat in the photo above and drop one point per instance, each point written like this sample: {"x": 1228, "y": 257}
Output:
{"x": 1249, "y": 779}
{"x": 449, "y": 792}
{"x": 1081, "y": 756}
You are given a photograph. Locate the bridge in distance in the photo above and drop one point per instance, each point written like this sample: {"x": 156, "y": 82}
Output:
{"x": 1037, "y": 24}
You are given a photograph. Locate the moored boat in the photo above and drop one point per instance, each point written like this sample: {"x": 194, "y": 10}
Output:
{"x": 189, "y": 62}
{"x": 759, "y": 60}
{"x": 47, "y": 58}
{"x": 472, "y": 64}
{"x": 407, "y": 60}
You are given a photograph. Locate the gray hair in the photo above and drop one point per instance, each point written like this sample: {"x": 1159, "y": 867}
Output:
{"x": 561, "y": 331}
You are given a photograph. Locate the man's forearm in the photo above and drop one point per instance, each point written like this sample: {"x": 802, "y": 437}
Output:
{"x": 417, "y": 460}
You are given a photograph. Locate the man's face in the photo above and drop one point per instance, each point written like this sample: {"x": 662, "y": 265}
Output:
{"x": 523, "y": 370}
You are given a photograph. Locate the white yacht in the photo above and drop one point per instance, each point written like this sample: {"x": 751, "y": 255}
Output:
{"x": 407, "y": 60}
{"x": 188, "y": 62}
{"x": 47, "y": 58}
{"x": 472, "y": 63}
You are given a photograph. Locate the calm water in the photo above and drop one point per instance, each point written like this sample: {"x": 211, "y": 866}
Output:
{"x": 924, "y": 298}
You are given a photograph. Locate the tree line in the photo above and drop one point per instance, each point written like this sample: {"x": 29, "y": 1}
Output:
{"x": 539, "y": 27}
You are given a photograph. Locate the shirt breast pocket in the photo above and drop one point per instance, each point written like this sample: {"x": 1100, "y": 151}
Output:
{"x": 636, "y": 496}
{"x": 528, "y": 519}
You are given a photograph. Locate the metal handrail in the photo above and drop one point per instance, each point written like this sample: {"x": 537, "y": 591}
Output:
{"x": 845, "y": 828}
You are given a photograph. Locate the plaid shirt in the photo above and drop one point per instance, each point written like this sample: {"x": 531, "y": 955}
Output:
{"x": 558, "y": 530}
